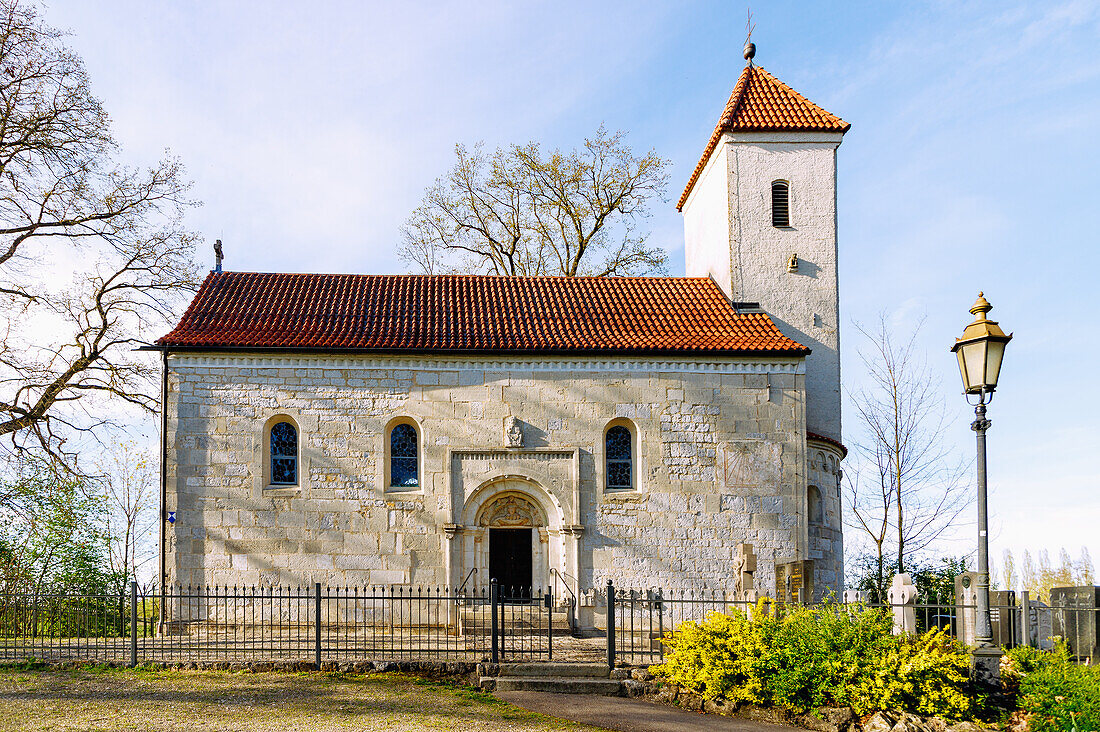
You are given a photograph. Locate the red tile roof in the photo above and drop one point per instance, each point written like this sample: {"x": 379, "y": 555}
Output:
{"x": 467, "y": 313}
{"x": 828, "y": 440}
{"x": 762, "y": 103}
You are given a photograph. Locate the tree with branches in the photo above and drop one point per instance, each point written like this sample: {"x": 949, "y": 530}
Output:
{"x": 93, "y": 254}
{"x": 906, "y": 490}
{"x": 520, "y": 212}
{"x": 127, "y": 488}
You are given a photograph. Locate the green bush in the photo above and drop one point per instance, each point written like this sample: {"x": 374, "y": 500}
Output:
{"x": 1060, "y": 695}
{"x": 825, "y": 655}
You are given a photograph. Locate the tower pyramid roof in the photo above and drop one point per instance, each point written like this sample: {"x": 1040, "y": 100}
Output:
{"x": 762, "y": 103}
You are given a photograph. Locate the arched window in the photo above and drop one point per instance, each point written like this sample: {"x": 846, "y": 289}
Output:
{"x": 781, "y": 204}
{"x": 284, "y": 454}
{"x": 813, "y": 506}
{"x": 404, "y": 465}
{"x": 619, "y": 452}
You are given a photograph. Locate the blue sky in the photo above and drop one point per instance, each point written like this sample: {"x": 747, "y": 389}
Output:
{"x": 311, "y": 130}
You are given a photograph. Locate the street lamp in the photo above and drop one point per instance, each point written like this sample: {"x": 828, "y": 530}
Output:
{"x": 980, "y": 351}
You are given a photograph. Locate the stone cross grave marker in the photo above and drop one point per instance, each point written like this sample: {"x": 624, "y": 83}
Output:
{"x": 854, "y": 597}
{"x": 902, "y": 597}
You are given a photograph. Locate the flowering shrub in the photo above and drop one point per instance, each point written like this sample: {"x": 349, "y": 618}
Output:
{"x": 825, "y": 655}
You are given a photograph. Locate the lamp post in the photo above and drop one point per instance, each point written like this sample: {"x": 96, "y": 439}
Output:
{"x": 980, "y": 351}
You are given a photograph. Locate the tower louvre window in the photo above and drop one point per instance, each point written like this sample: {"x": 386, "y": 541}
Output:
{"x": 781, "y": 203}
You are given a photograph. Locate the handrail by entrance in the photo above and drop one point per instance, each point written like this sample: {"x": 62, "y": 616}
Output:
{"x": 562, "y": 576}
{"x": 573, "y": 602}
{"x": 469, "y": 574}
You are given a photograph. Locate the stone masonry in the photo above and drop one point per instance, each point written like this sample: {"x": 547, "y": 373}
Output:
{"x": 720, "y": 459}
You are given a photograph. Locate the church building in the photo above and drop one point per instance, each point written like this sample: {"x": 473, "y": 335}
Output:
{"x": 445, "y": 430}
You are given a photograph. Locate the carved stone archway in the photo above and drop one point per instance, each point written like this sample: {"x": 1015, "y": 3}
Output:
{"x": 510, "y": 510}
{"x": 509, "y": 502}
{"x": 516, "y": 550}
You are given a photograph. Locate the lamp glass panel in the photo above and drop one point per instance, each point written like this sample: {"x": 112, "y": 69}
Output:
{"x": 974, "y": 353}
{"x": 962, "y": 369}
{"x": 995, "y": 351}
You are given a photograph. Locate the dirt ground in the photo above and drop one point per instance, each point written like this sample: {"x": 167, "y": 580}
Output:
{"x": 113, "y": 699}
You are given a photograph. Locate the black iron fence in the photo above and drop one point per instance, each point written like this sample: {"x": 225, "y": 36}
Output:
{"x": 639, "y": 622}
{"x": 316, "y": 624}
{"x": 311, "y": 624}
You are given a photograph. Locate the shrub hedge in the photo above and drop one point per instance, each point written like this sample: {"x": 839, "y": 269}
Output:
{"x": 826, "y": 655}
{"x": 1060, "y": 695}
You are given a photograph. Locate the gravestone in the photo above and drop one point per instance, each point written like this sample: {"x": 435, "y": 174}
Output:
{"x": 1075, "y": 613}
{"x": 854, "y": 597}
{"x": 966, "y": 600}
{"x": 1003, "y": 611}
{"x": 794, "y": 581}
{"x": 1003, "y": 616}
{"x": 902, "y": 597}
{"x": 1040, "y": 626}
{"x": 744, "y": 571}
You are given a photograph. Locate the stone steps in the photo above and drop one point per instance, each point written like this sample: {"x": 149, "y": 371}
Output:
{"x": 560, "y": 685}
{"x": 542, "y": 670}
{"x": 478, "y": 621}
{"x": 557, "y": 678}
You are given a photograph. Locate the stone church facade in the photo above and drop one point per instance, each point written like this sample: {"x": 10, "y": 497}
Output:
{"x": 442, "y": 430}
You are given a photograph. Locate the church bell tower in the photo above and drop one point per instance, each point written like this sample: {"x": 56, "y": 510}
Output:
{"x": 760, "y": 219}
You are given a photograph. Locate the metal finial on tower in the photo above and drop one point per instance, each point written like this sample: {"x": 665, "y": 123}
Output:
{"x": 750, "y": 47}
{"x": 218, "y": 255}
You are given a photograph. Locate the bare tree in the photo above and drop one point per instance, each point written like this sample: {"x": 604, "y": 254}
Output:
{"x": 1008, "y": 573}
{"x": 516, "y": 212}
{"x": 128, "y": 488}
{"x": 1039, "y": 578}
{"x": 907, "y": 489}
{"x": 92, "y": 254}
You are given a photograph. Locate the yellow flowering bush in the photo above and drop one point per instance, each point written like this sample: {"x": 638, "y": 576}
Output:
{"x": 808, "y": 657}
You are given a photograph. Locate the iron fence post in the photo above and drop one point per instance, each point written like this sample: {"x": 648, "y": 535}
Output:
{"x": 549, "y": 624}
{"x": 610, "y": 625}
{"x": 661, "y": 624}
{"x": 494, "y": 596}
{"x": 133, "y": 623}
{"x": 317, "y": 626}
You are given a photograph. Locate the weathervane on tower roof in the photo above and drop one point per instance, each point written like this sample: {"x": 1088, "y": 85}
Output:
{"x": 750, "y": 47}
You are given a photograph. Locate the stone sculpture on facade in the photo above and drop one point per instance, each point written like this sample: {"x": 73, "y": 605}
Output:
{"x": 513, "y": 433}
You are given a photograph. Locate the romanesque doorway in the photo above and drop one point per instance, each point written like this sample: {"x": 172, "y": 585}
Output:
{"x": 510, "y": 553}
{"x": 513, "y": 543}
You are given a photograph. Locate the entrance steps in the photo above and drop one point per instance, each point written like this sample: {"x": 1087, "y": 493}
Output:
{"x": 557, "y": 678}
{"x": 522, "y": 619}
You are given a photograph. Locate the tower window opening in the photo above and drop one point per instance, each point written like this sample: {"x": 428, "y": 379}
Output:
{"x": 781, "y": 204}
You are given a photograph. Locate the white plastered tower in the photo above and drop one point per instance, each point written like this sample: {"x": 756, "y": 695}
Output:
{"x": 770, "y": 133}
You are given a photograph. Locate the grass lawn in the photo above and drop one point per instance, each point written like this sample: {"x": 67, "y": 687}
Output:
{"x": 114, "y": 699}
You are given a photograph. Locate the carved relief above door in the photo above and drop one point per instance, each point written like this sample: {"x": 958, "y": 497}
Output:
{"x": 510, "y": 511}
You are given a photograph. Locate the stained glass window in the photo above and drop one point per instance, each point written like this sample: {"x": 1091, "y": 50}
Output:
{"x": 620, "y": 459}
{"x": 403, "y": 463}
{"x": 284, "y": 454}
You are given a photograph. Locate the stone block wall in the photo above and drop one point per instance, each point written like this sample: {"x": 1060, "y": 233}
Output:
{"x": 826, "y": 530}
{"x": 720, "y": 459}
